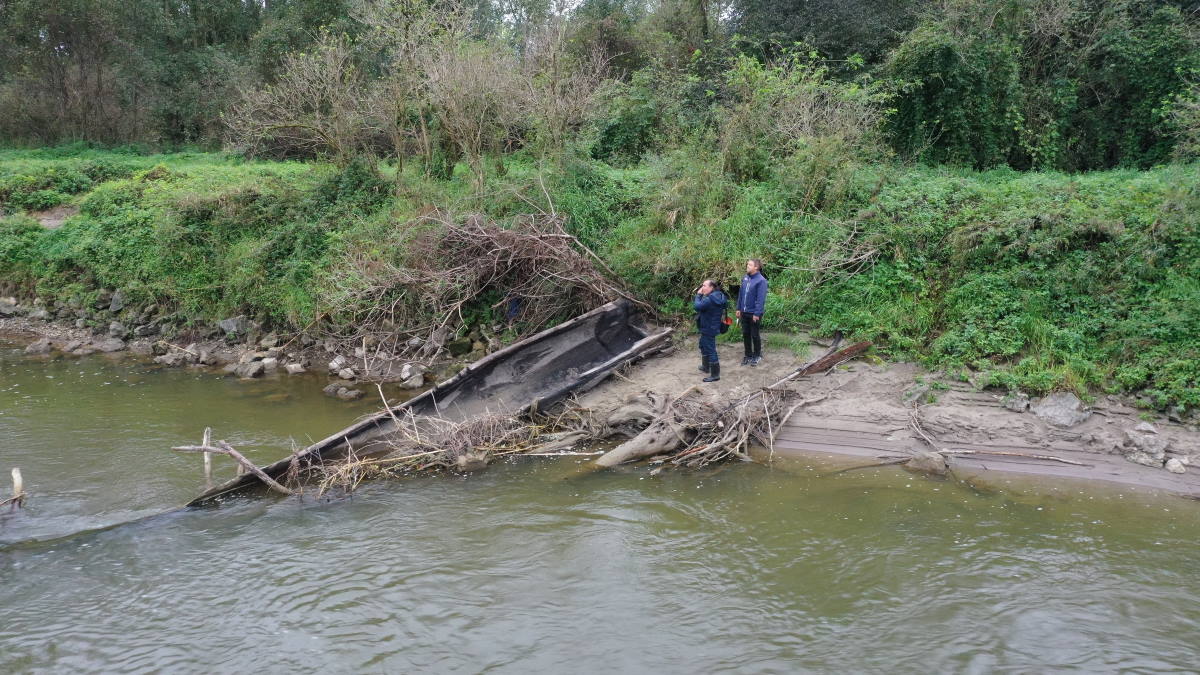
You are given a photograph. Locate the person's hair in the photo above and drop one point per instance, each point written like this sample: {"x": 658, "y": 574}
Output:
{"x": 715, "y": 284}
{"x": 757, "y": 263}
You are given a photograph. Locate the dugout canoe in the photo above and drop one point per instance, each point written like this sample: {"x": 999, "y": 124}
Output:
{"x": 538, "y": 371}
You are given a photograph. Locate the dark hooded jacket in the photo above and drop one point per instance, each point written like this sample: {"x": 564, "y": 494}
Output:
{"x": 710, "y": 309}
{"x": 752, "y": 299}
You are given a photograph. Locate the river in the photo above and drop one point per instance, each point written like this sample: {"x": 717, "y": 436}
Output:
{"x": 529, "y": 567}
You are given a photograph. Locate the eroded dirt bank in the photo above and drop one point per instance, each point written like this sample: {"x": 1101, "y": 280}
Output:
{"x": 866, "y": 414}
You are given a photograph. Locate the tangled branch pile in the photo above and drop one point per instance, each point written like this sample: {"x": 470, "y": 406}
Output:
{"x": 695, "y": 429}
{"x": 434, "y": 444}
{"x": 538, "y": 271}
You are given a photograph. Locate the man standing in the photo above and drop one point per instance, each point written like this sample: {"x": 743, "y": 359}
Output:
{"x": 752, "y": 299}
{"x": 710, "y": 304}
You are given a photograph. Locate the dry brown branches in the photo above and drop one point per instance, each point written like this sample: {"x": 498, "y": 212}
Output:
{"x": 538, "y": 270}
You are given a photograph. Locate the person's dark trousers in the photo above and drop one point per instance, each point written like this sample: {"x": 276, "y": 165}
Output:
{"x": 708, "y": 349}
{"x": 750, "y": 337}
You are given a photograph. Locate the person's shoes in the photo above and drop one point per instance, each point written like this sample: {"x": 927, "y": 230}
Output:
{"x": 716, "y": 373}
{"x": 746, "y": 360}
{"x": 703, "y": 365}
{"x": 755, "y": 360}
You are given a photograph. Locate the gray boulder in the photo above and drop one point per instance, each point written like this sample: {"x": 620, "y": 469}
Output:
{"x": 9, "y": 309}
{"x": 237, "y": 325}
{"x": 337, "y": 364}
{"x": 40, "y": 347}
{"x": 1016, "y": 402}
{"x": 349, "y": 394}
{"x": 117, "y": 329}
{"x": 927, "y": 462}
{"x": 410, "y": 370}
{"x": 1143, "y": 445}
{"x": 294, "y": 369}
{"x": 251, "y": 370}
{"x": 40, "y": 314}
{"x": 347, "y": 374}
{"x": 1175, "y": 466}
{"x": 415, "y": 382}
{"x": 1061, "y": 409}
{"x": 110, "y": 345}
{"x": 117, "y": 302}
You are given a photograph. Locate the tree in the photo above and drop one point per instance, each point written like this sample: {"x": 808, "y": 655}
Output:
{"x": 317, "y": 106}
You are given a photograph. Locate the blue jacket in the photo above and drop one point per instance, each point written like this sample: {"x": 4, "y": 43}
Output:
{"x": 752, "y": 298}
{"x": 710, "y": 309}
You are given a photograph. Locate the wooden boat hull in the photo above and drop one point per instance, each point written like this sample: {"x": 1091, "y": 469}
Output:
{"x": 535, "y": 372}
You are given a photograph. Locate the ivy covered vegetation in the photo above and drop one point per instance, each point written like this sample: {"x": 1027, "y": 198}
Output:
{"x": 1006, "y": 189}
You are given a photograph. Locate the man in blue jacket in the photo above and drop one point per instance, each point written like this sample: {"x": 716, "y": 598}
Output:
{"x": 752, "y": 300}
{"x": 710, "y": 306}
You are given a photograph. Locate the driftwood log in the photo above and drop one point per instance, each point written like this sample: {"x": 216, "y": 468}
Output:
{"x": 17, "y": 500}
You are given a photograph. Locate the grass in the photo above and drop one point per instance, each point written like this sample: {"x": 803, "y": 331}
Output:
{"x": 1036, "y": 281}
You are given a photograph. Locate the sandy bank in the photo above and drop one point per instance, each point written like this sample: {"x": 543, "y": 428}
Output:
{"x": 863, "y": 414}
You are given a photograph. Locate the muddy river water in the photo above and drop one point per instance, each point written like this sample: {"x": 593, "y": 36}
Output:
{"x": 529, "y": 567}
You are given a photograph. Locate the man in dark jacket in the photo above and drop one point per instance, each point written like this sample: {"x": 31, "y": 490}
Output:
{"x": 752, "y": 300}
{"x": 710, "y": 306}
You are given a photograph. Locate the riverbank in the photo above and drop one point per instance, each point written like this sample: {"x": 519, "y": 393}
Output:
{"x": 868, "y": 414}
{"x": 1033, "y": 281}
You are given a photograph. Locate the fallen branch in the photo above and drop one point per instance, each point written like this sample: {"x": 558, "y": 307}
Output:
{"x": 17, "y": 500}
{"x": 223, "y": 448}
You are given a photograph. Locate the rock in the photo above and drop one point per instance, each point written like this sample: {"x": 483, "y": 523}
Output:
{"x": 40, "y": 314}
{"x": 307, "y": 340}
{"x": 1144, "y": 458}
{"x": 172, "y": 360}
{"x": 1144, "y": 446}
{"x": 161, "y": 348}
{"x": 414, "y": 342}
{"x": 117, "y": 302}
{"x": 72, "y": 345}
{"x": 9, "y": 309}
{"x": 249, "y": 357}
{"x": 408, "y": 370}
{"x": 205, "y": 358}
{"x": 331, "y": 389}
{"x": 920, "y": 393}
{"x": 347, "y": 374}
{"x": 415, "y": 382}
{"x": 103, "y": 299}
{"x": 294, "y": 369}
{"x": 145, "y": 330}
{"x": 471, "y": 461}
{"x": 250, "y": 370}
{"x": 40, "y": 347}
{"x": 478, "y": 346}
{"x": 1016, "y": 402}
{"x": 337, "y": 364}
{"x": 112, "y": 344}
{"x": 81, "y": 323}
{"x": 117, "y": 329}
{"x": 270, "y": 363}
{"x": 459, "y": 347}
{"x": 927, "y": 462}
{"x": 271, "y": 340}
{"x": 349, "y": 394}
{"x": 237, "y": 326}
{"x": 1175, "y": 466}
{"x": 141, "y": 347}
{"x": 1061, "y": 409}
